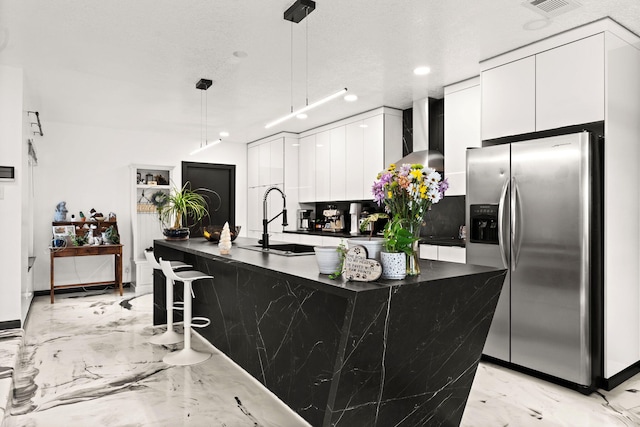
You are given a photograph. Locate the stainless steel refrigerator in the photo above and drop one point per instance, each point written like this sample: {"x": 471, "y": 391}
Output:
{"x": 529, "y": 208}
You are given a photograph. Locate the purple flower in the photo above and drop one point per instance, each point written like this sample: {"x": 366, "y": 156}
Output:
{"x": 443, "y": 186}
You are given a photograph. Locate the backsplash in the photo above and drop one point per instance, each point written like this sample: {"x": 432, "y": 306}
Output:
{"x": 445, "y": 217}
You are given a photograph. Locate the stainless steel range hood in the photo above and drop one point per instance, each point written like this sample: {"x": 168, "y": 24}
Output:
{"x": 421, "y": 153}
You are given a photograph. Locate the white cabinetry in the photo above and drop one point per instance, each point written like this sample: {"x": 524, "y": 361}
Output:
{"x": 354, "y": 149}
{"x": 557, "y": 87}
{"x": 377, "y": 141}
{"x": 592, "y": 73}
{"x": 340, "y": 161}
{"x": 145, "y": 225}
{"x": 323, "y": 167}
{"x": 338, "y": 164}
{"x": 570, "y": 84}
{"x": 443, "y": 253}
{"x": 307, "y": 169}
{"x": 508, "y": 99}
{"x": 265, "y": 161}
{"x": 461, "y": 130}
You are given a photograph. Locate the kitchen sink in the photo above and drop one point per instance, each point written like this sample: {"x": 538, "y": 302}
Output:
{"x": 285, "y": 249}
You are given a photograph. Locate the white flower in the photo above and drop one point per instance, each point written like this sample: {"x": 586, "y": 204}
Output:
{"x": 433, "y": 178}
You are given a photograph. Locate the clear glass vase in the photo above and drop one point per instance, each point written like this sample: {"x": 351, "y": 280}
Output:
{"x": 413, "y": 259}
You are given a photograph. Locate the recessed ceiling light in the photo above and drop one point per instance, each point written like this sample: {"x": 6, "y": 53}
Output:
{"x": 351, "y": 97}
{"x": 421, "y": 71}
{"x": 295, "y": 145}
{"x": 302, "y": 116}
{"x": 224, "y": 134}
{"x": 364, "y": 126}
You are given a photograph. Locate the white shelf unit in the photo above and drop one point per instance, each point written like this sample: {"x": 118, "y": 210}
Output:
{"x": 145, "y": 226}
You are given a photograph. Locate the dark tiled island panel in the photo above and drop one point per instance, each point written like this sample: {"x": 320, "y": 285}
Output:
{"x": 340, "y": 353}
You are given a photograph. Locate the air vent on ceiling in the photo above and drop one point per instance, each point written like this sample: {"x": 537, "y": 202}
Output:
{"x": 551, "y": 8}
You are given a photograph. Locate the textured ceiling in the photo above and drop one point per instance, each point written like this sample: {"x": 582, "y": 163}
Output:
{"x": 134, "y": 64}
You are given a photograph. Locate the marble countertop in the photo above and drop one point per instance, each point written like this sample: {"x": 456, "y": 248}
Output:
{"x": 305, "y": 267}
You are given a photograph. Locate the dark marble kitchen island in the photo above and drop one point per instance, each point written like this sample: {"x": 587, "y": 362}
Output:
{"x": 384, "y": 353}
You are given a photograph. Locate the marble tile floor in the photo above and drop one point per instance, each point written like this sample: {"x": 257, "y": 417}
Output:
{"x": 86, "y": 361}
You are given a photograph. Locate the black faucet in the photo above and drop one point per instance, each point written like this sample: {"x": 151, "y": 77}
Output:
{"x": 265, "y": 221}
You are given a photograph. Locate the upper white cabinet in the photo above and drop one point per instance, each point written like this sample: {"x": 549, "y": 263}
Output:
{"x": 323, "y": 166}
{"x": 570, "y": 84}
{"x": 338, "y": 164}
{"x": 508, "y": 99}
{"x": 266, "y": 163}
{"x": 340, "y": 161}
{"x": 354, "y": 148}
{"x": 461, "y": 130}
{"x": 560, "y": 86}
{"x": 377, "y": 141}
{"x": 307, "y": 169}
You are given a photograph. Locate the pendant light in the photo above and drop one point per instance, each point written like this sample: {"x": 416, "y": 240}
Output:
{"x": 203, "y": 85}
{"x": 296, "y": 13}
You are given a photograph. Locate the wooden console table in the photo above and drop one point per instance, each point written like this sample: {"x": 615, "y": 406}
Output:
{"x": 88, "y": 250}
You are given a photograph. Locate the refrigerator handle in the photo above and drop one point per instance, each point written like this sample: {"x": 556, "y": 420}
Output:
{"x": 501, "y": 227}
{"x": 515, "y": 224}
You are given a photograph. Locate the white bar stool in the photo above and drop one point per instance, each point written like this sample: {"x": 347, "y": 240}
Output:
{"x": 169, "y": 336}
{"x": 186, "y": 356}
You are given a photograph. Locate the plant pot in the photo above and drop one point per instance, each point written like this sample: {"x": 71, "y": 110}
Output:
{"x": 373, "y": 245}
{"x": 328, "y": 258}
{"x": 176, "y": 233}
{"x": 394, "y": 265}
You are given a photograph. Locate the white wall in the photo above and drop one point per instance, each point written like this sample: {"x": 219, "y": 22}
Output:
{"x": 11, "y": 249}
{"x": 88, "y": 167}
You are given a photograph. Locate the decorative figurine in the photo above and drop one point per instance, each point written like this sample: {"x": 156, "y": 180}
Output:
{"x": 61, "y": 212}
{"x": 225, "y": 240}
{"x": 82, "y": 217}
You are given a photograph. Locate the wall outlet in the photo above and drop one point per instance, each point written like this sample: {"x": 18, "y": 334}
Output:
{"x": 126, "y": 270}
{"x": 1, "y": 192}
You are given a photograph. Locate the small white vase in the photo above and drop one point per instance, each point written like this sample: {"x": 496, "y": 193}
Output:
{"x": 328, "y": 258}
{"x": 394, "y": 265}
{"x": 372, "y": 245}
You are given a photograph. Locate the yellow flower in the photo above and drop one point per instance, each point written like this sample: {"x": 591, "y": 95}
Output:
{"x": 417, "y": 174}
{"x": 391, "y": 167}
{"x": 389, "y": 194}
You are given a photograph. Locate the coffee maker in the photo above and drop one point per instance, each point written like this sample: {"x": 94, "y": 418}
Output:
{"x": 334, "y": 219}
{"x": 305, "y": 220}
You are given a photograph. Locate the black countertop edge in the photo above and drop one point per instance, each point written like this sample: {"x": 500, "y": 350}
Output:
{"x": 343, "y": 234}
{"x": 443, "y": 241}
{"x": 428, "y": 240}
{"x": 306, "y": 267}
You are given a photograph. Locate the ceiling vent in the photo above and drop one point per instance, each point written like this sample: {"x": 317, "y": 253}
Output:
{"x": 551, "y": 8}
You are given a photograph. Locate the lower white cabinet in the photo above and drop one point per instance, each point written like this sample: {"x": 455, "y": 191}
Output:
{"x": 443, "y": 253}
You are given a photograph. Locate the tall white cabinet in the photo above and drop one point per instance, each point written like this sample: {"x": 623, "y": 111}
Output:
{"x": 270, "y": 164}
{"x": 146, "y": 180}
{"x": 461, "y": 131}
{"x": 591, "y": 73}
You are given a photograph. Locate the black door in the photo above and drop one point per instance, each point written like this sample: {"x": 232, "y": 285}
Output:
{"x": 218, "y": 178}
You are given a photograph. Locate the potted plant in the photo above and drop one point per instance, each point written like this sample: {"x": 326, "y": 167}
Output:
{"x": 177, "y": 207}
{"x": 398, "y": 243}
{"x": 373, "y": 245}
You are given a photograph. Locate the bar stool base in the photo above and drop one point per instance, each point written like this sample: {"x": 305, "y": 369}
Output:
{"x": 168, "y": 337}
{"x": 186, "y": 356}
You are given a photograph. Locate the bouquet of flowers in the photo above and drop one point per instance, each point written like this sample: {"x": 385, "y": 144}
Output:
{"x": 408, "y": 191}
